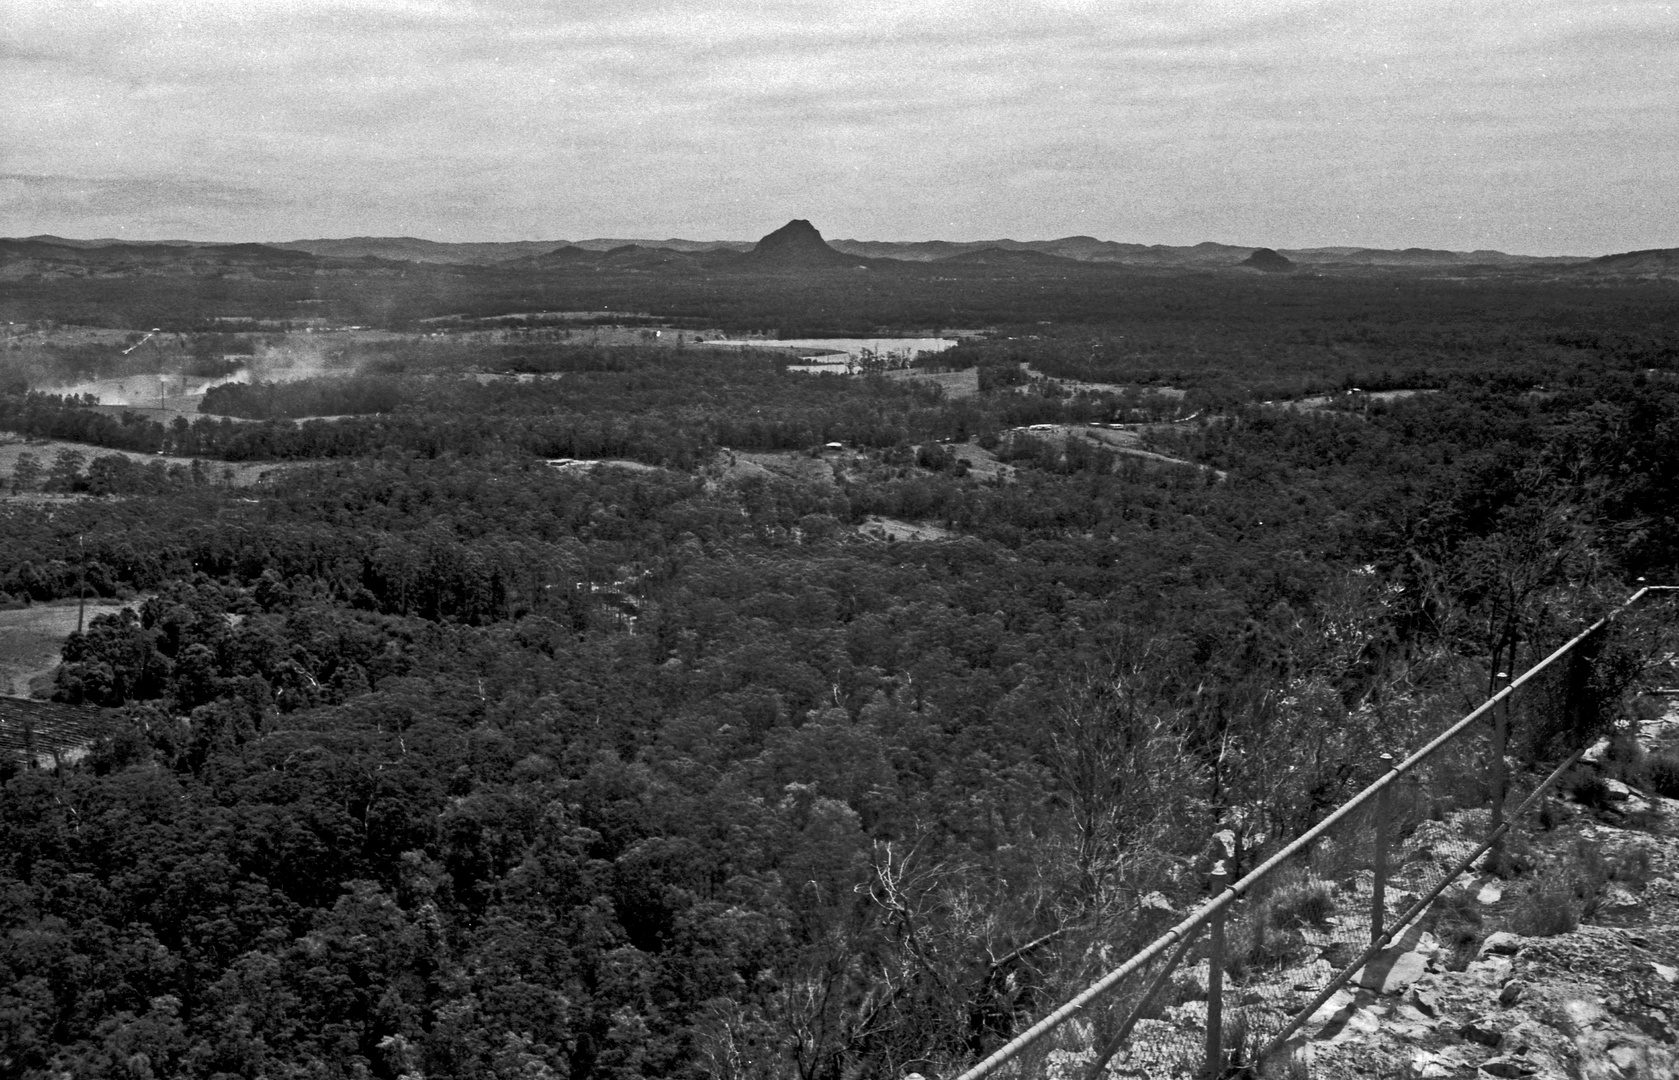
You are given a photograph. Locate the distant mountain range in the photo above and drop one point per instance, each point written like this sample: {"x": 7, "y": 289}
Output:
{"x": 795, "y": 246}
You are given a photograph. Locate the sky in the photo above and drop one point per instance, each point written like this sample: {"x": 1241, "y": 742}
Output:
{"x": 1527, "y": 126}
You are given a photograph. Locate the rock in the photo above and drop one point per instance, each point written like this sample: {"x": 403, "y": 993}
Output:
{"x": 1066, "y": 1064}
{"x": 1512, "y": 993}
{"x": 1508, "y": 1068}
{"x": 1500, "y": 944}
{"x": 1493, "y": 971}
{"x": 1618, "y": 900}
{"x": 1337, "y": 1001}
{"x": 1490, "y": 893}
{"x": 1670, "y": 974}
{"x": 1361, "y": 1023}
{"x": 1426, "y": 1066}
{"x": 1481, "y": 1031}
{"x": 1618, "y": 792}
{"x": 1582, "y": 1014}
{"x": 1410, "y": 1012}
{"x": 1389, "y": 974}
{"x": 1625, "y": 1057}
{"x": 1635, "y": 805}
{"x": 1427, "y": 1002}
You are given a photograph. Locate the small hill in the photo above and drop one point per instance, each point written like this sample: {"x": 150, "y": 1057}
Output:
{"x": 636, "y": 257}
{"x": 22, "y": 258}
{"x": 413, "y": 249}
{"x": 1000, "y": 256}
{"x": 1269, "y": 261}
{"x": 564, "y": 255}
{"x": 693, "y": 247}
{"x": 797, "y": 244}
{"x": 1652, "y": 262}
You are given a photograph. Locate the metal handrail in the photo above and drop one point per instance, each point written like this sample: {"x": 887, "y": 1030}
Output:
{"x": 1009, "y": 1050}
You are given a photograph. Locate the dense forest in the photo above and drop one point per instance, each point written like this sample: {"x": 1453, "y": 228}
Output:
{"x": 425, "y": 757}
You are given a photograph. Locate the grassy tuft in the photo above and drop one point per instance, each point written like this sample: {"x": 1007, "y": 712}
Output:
{"x": 1563, "y": 895}
{"x": 1302, "y": 903}
{"x": 1457, "y": 926}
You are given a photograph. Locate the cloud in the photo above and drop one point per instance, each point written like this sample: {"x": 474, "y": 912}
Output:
{"x": 114, "y": 197}
{"x": 1263, "y": 121}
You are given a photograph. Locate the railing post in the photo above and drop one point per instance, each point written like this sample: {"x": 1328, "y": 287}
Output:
{"x": 1379, "y": 857}
{"x": 1215, "y": 978}
{"x": 1497, "y": 779}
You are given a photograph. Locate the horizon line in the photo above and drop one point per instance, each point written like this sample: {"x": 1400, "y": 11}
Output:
{"x": 177, "y": 240}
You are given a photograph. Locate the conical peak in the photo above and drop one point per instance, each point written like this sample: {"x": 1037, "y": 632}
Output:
{"x": 798, "y": 241}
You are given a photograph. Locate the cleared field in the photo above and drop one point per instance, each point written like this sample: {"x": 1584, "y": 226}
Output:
{"x": 241, "y": 474}
{"x": 1076, "y": 385}
{"x": 1325, "y": 401}
{"x": 892, "y": 529}
{"x": 956, "y": 384}
{"x": 1120, "y": 440}
{"x": 31, "y": 639}
{"x": 790, "y": 464}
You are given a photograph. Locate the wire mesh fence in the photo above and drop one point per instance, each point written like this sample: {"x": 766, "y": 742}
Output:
{"x": 1363, "y": 902}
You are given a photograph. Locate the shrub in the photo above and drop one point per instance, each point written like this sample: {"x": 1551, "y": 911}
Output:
{"x": 1623, "y": 758}
{"x": 1633, "y": 865}
{"x": 1587, "y": 788}
{"x": 1662, "y": 770}
{"x": 1561, "y": 897}
{"x": 1548, "y": 910}
{"x": 1304, "y": 903}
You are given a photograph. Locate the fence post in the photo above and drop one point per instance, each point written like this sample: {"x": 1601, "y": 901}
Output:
{"x": 1215, "y": 978}
{"x": 1497, "y": 779}
{"x": 1379, "y": 858}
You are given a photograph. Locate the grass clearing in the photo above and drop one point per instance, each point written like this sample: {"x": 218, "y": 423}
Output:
{"x": 31, "y": 639}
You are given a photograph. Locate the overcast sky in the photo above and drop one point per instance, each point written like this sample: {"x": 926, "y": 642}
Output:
{"x": 1541, "y": 127}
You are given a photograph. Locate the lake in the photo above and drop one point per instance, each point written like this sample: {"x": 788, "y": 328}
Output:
{"x": 832, "y": 354}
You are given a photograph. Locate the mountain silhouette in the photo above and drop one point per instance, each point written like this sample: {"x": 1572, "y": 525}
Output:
{"x": 798, "y": 244}
{"x": 1269, "y": 261}
{"x": 1001, "y": 256}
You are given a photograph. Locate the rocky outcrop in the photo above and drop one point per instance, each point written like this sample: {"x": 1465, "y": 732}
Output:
{"x": 1598, "y": 1002}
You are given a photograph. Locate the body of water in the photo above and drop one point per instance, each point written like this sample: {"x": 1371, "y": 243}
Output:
{"x": 832, "y": 354}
